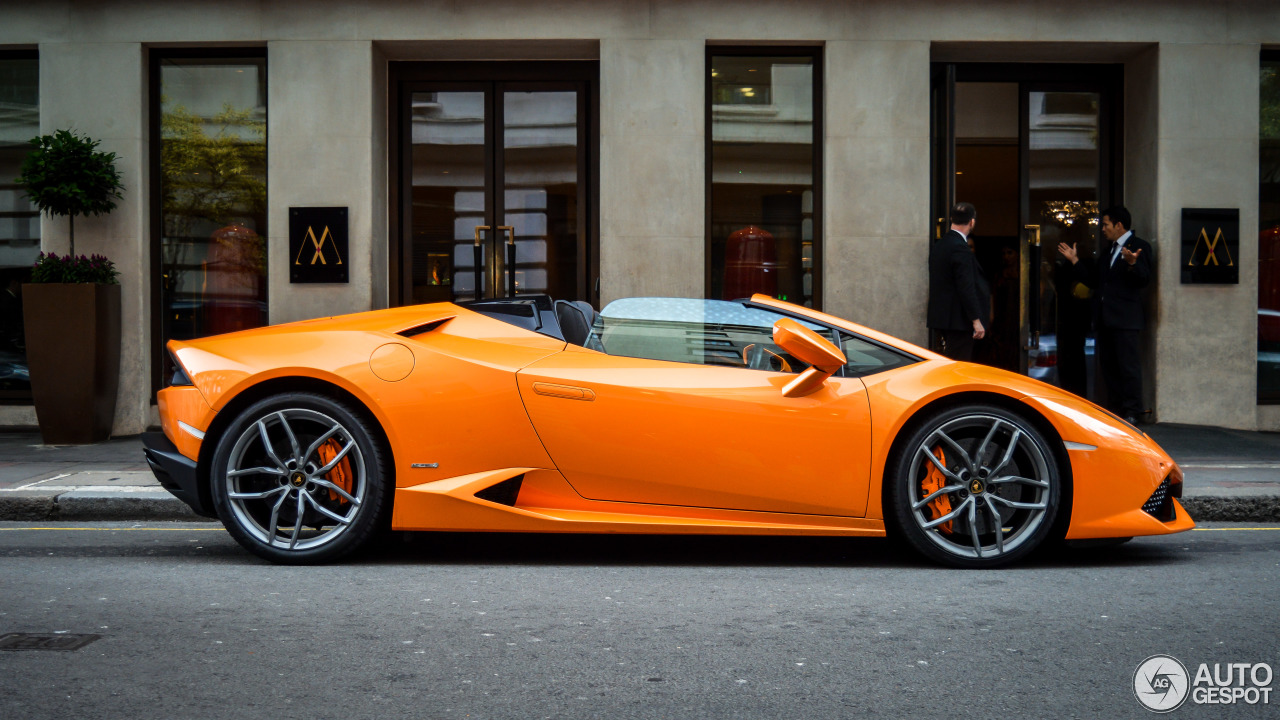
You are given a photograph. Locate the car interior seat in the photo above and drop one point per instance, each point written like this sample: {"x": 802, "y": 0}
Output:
{"x": 575, "y": 318}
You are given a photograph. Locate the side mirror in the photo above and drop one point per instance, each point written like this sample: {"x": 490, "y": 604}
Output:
{"x": 808, "y": 347}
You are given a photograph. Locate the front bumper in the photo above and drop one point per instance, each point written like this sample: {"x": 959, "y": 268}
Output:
{"x": 175, "y": 471}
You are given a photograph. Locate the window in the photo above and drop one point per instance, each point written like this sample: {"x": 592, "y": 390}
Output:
{"x": 1269, "y": 232}
{"x": 210, "y": 178}
{"x": 866, "y": 358}
{"x": 19, "y": 219}
{"x": 764, "y": 171}
{"x": 703, "y": 332}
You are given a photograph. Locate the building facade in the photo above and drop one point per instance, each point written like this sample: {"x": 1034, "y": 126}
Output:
{"x": 597, "y": 150}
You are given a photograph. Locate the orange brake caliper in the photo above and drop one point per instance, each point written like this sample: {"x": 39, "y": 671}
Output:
{"x": 340, "y": 475}
{"x": 933, "y": 482}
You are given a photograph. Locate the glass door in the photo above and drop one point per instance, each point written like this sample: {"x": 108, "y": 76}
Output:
{"x": 1032, "y": 147}
{"x": 1062, "y": 186}
{"x": 494, "y": 190}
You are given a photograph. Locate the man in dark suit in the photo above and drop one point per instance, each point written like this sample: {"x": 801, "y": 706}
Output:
{"x": 959, "y": 299}
{"x": 1118, "y": 276}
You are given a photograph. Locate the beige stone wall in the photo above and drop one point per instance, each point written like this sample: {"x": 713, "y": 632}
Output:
{"x": 876, "y": 174}
{"x": 1190, "y": 139}
{"x": 99, "y": 89}
{"x": 1207, "y": 156}
{"x": 652, "y": 168}
{"x": 320, "y": 153}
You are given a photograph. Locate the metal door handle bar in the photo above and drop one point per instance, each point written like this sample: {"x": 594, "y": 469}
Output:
{"x": 478, "y": 260}
{"x": 511, "y": 258}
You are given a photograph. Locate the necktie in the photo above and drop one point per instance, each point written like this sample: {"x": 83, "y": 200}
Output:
{"x": 1115, "y": 253}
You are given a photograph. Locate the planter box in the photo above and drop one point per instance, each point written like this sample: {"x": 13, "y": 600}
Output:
{"x": 73, "y": 351}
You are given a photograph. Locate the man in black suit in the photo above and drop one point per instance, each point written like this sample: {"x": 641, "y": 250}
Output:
{"x": 1118, "y": 276}
{"x": 959, "y": 299}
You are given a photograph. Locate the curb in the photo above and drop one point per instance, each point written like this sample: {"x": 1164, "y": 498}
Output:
{"x": 89, "y": 505}
{"x": 1257, "y": 508}
{"x": 86, "y": 505}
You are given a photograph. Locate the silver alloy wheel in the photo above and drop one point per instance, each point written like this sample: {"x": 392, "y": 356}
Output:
{"x": 279, "y": 489}
{"x": 995, "y": 486}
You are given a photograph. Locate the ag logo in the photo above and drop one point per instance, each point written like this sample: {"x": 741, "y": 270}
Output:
{"x": 1161, "y": 683}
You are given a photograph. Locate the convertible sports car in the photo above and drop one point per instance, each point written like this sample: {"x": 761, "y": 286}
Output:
{"x": 657, "y": 415}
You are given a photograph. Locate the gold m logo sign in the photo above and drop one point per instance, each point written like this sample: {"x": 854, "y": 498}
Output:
{"x": 317, "y": 247}
{"x": 1211, "y": 255}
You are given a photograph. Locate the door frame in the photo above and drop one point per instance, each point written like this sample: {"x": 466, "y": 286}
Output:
{"x": 402, "y": 79}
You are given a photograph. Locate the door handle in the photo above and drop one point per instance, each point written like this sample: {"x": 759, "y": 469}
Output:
{"x": 567, "y": 392}
{"x": 511, "y": 257}
{"x": 479, "y": 258}
{"x": 1033, "y": 279}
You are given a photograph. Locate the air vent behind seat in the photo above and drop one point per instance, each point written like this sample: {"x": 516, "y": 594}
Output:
{"x": 424, "y": 328}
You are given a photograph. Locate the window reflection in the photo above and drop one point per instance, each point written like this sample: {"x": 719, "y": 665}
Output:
{"x": 448, "y": 177}
{"x": 762, "y": 177}
{"x": 19, "y": 219}
{"x": 540, "y": 169}
{"x": 213, "y": 193}
{"x": 1269, "y": 235}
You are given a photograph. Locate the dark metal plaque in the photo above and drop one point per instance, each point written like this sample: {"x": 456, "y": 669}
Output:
{"x": 1210, "y": 246}
{"x": 57, "y": 642}
{"x": 318, "y": 245}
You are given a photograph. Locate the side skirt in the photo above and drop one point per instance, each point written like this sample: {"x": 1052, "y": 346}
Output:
{"x": 547, "y": 503}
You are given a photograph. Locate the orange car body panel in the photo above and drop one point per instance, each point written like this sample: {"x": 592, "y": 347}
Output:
{"x": 671, "y": 433}
{"x": 614, "y": 444}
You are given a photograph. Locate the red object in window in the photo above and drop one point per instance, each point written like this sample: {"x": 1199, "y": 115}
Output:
{"x": 750, "y": 263}
{"x": 231, "y": 294}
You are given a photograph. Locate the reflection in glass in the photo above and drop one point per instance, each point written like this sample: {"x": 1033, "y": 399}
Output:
{"x": 213, "y": 195}
{"x": 986, "y": 137}
{"x": 536, "y": 185}
{"x": 540, "y": 199}
{"x": 1064, "y": 174}
{"x": 762, "y": 168}
{"x": 19, "y": 219}
{"x": 1269, "y": 236}
{"x": 447, "y": 135}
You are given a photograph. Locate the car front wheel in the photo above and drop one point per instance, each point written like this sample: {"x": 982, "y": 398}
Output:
{"x": 975, "y": 486}
{"x": 298, "y": 478}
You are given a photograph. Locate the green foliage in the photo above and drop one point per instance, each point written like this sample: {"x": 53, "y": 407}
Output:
{"x": 67, "y": 269}
{"x": 64, "y": 175}
{"x": 213, "y": 168}
{"x": 1269, "y": 105}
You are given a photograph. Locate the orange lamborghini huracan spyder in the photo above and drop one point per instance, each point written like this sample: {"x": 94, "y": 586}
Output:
{"x": 656, "y": 415}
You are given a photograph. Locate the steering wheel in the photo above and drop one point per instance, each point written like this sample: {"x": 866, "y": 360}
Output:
{"x": 758, "y": 357}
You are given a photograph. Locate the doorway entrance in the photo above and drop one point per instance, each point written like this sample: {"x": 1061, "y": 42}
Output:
{"x": 1036, "y": 149}
{"x": 496, "y": 181}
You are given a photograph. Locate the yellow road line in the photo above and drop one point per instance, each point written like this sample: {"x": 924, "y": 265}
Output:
{"x": 1230, "y": 529}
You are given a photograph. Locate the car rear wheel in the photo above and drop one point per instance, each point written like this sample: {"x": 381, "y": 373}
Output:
{"x": 298, "y": 478}
{"x": 975, "y": 486}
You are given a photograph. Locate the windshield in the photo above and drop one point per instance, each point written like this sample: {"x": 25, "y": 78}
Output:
{"x": 705, "y": 332}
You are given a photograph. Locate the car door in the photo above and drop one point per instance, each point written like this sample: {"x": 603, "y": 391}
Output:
{"x": 704, "y": 432}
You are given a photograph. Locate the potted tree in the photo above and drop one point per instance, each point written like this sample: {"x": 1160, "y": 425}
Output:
{"x": 71, "y": 307}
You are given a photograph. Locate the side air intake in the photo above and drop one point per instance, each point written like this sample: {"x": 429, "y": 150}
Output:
{"x": 504, "y": 493}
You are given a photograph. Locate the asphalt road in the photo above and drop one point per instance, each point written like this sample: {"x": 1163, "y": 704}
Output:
{"x": 519, "y": 626}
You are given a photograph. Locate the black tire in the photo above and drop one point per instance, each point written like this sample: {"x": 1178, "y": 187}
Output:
{"x": 945, "y": 503}
{"x": 265, "y": 477}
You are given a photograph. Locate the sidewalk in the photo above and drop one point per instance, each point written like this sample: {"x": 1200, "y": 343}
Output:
{"x": 1229, "y": 475}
